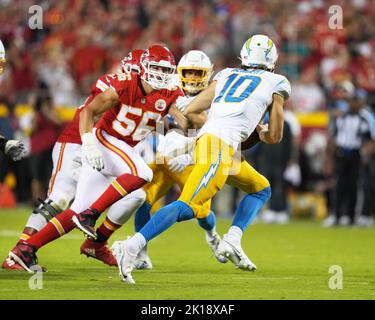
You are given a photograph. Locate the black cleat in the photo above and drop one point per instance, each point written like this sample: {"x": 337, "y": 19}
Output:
{"x": 85, "y": 221}
{"x": 25, "y": 256}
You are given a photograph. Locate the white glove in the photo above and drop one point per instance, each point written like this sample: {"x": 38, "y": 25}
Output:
{"x": 91, "y": 152}
{"x": 182, "y": 102}
{"x": 15, "y": 150}
{"x": 179, "y": 163}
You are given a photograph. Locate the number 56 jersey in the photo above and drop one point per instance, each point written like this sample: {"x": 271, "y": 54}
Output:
{"x": 136, "y": 114}
{"x": 242, "y": 97}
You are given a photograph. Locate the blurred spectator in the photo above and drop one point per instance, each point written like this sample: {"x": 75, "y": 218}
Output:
{"x": 350, "y": 145}
{"x": 44, "y": 132}
{"x": 307, "y": 95}
{"x": 274, "y": 169}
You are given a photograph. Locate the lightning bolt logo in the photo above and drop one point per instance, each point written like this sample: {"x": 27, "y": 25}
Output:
{"x": 207, "y": 176}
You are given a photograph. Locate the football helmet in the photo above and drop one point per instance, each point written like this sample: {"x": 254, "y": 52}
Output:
{"x": 2, "y": 57}
{"x": 259, "y": 51}
{"x": 132, "y": 61}
{"x": 158, "y": 67}
{"x": 194, "y": 60}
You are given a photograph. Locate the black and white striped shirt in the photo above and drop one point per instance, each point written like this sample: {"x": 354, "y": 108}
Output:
{"x": 351, "y": 130}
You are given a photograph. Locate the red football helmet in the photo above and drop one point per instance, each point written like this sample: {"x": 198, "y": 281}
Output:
{"x": 158, "y": 67}
{"x": 132, "y": 61}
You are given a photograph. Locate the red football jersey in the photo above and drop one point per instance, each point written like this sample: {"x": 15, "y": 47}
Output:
{"x": 71, "y": 132}
{"x": 136, "y": 114}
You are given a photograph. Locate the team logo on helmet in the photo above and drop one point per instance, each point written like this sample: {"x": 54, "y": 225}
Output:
{"x": 160, "y": 105}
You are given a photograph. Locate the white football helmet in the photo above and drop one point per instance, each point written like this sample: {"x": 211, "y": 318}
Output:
{"x": 194, "y": 60}
{"x": 2, "y": 57}
{"x": 259, "y": 51}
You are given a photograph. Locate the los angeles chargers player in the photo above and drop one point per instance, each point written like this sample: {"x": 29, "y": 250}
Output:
{"x": 239, "y": 98}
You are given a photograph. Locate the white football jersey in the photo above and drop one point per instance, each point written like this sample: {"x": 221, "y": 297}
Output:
{"x": 241, "y": 99}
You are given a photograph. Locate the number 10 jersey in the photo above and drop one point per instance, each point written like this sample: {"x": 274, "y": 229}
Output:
{"x": 242, "y": 97}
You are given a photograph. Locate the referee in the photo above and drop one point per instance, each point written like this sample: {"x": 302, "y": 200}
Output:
{"x": 349, "y": 142}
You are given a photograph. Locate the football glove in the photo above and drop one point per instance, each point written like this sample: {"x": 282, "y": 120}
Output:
{"x": 14, "y": 149}
{"x": 91, "y": 152}
{"x": 182, "y": 102}
{"x": 179, "y": 163}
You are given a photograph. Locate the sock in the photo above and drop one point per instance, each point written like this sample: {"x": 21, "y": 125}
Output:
{"x": 25, "y": 235}
{"x": 136, "y": 244}
{"x": 165, "y": 218}
{"x": 54, "y": 229}
{"x": 249, "y": 208}
{"x": 118, "y": 189}
{"x": 234, "y": 235}
{"x": 105, "y": 230}
{"x": 142, "y": 216}
{"x": 208, "y": 224}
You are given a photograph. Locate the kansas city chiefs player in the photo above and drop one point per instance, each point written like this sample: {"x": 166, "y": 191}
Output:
{"x": 131, "y": 105}
{"x": 67, "y": 165}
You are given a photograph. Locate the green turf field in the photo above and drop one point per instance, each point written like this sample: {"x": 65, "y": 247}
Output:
{"x": 293, "y": 263}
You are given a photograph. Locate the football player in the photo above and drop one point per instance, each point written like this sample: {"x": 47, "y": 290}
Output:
{"x": 194, "y": 72}
{"x": 130, "y": 107}
{"x": 67, "y": 165}
{"x": 238, "y": 98}
{"x": 14, "y": 149}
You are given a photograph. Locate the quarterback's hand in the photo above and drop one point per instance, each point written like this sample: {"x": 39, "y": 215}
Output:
{"x": 181, "y": 103}
{"x": 15, "y": 150}
{"x": 261, "y": 129}
{"x": 179, "y": 163}
{"x": 91, "y": 152}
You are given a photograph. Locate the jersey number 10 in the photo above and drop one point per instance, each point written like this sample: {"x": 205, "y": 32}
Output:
{"x": 244, "y": 84}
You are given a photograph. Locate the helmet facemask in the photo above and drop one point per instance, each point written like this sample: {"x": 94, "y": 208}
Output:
{"x": 194, "y": 85}
{"x": 159, "y": 75}
{"x": 2, "y": 63}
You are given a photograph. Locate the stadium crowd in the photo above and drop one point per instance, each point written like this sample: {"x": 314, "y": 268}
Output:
{"x": 329, "y": 68}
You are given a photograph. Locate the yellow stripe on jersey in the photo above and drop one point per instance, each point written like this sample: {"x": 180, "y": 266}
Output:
{"x": 118, "y": 151}
{"x": 58, "y": 168}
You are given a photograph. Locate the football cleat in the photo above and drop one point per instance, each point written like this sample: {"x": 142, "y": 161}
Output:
{"x": 85, "y": 221}
{"x": 236, "y": 255}
{"x": 10, "y": 264}
{"x": 213, "y": 243}
{"x": 125, "y": 262}
{"x": 99, "y": 251}
{"x": 25, "y": 256}
{"x": 143, "y": 261}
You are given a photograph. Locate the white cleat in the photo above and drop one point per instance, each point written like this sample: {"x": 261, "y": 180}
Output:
{"x": 125, "y": 262}
{"x": 213, "y": 243}
{"x": 236, "y": 255}
{"x": 143, "y": 261}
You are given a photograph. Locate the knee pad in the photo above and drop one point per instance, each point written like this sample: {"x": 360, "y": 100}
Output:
{"x": 48, "y": 209}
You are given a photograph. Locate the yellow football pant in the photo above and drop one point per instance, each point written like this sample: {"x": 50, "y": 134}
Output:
{"x": 162, "y": 182}
{"x": 216, "y": 165}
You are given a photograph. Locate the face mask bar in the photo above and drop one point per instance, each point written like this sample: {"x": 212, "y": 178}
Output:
{"x": 156, "y": 78}
{"x": 194, "y": 85}
{"x": 2, "y": 62}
